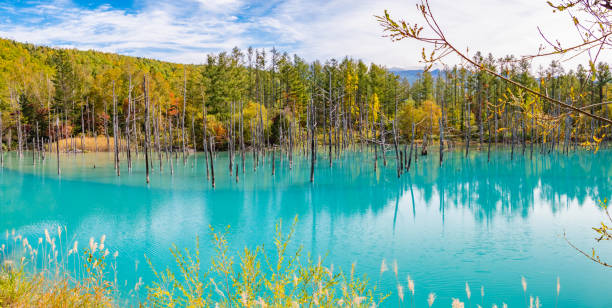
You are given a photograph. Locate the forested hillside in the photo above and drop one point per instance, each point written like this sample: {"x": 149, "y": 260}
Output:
{"x": 280, "y": 98}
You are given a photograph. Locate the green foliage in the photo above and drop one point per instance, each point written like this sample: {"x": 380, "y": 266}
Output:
{"x": 39, "y": 85}
{"x": 64, "y": 79}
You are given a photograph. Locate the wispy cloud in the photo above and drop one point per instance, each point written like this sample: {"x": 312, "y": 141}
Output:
{"x": 168, "y": 32}
{"x": 185, "y": 30}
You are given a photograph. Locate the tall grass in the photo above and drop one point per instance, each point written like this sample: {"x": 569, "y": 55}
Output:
{"x": 48, "y": 275}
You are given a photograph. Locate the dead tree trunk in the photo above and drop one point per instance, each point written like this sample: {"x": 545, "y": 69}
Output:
{"x": 290, "y": 145}
{"x": 57, "y": 132}
{"x": 38, "y": 145}
{"x": 82, "y": 132}
{"x": 411, "y": 148}
{"x": 395, "y": 143}
{"x": 19, "y": 129}
{"x": 375, "y": 155}
{"x": 532, "y": 131}
{"x": 193, "y": 138}
{"x": 253, "y": 145}
{"x": 242, "y": 137}
{"x": 212, "y": 165}
{"x": 468, "y": 130}
{"x": 229, "y": 149}
{"x": 480, "y": 124}
{"x": 424, "y": 146}
{"x": 329, "y": 131}
{"x": 382, "y": 140}
{"x": 274, "y": 160}
{"x": 204, "y": 138}
{"x": 1, "y": 143}
{"x": 127, "y": 127}
{"x": 94, "y": 129}
{"x": 568, "y": 130}
{"x": 237, "y": 174}
{"x": 146, "y": 141}
{"x": 405, "y": 161}
{"x": 375, "y": 142}
{"x": 171, "y": 145}
{"x": 523, "y": 135}
{"x": 313, "y": 145}
{"x": 105, "y": 128}
{"x": 496, "y": 127}
{"x": 157, "y": 138}
{"x": 441, "y": 140}
{"x": 183, "y": 117}
{"x": 115, "y": 131}
{"x": 328, "y": 122}
{"x": 230, "y": 142}
{"x": 489, "y": 148}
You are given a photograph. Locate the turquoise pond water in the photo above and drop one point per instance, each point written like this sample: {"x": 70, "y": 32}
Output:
{"x": 485, "y": 223}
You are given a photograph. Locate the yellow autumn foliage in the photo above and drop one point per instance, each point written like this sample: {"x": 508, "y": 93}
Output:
{"x": 374, "y": 108}
{"x": 426, "y": 117}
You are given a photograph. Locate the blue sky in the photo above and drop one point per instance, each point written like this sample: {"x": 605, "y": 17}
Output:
{"x": 186, "y": 30}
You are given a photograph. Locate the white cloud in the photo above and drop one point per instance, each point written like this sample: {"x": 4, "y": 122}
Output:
{"x": 220, "y": 5}
{"x": 334, "y": 28}
{"x": 184, "y": 31}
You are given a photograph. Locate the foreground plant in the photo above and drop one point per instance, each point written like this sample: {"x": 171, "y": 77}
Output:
{"x": 257, "y": 279}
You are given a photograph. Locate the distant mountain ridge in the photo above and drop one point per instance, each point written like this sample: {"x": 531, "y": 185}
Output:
{"x": 412, "y": 74}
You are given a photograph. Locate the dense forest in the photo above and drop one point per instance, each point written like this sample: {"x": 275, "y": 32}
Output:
{"x": 260, "y": 99}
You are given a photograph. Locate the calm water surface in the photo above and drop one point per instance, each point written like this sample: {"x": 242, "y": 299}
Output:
{"x": 471, "y": 221}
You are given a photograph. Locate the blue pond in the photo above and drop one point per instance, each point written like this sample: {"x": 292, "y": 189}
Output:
{"x": 487, "y": 223}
